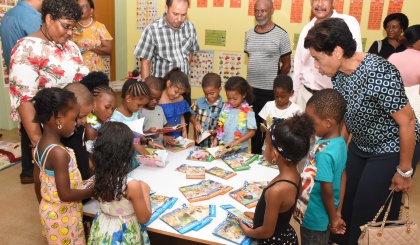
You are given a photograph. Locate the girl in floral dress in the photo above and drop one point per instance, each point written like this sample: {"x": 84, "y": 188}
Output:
{"x": 61, "y": 183}
{"x": 123, "y": 201}
{"x": 237, "y": 120}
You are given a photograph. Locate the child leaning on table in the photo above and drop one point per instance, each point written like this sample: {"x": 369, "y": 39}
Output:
{"x": 205, "y": 111}
{"x": 286, "y": 144}
{"x": 124, "y": 201}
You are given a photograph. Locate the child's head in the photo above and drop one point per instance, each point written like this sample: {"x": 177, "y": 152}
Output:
{"x": 104, "y": 98}
{"x": 135, "y": 93}
{"x": 238, "y": 90}
{"x": 56, "y": 108}
{"x": 112, "y": 158}
{"x": 176, "y": 83}
{"x": 289, "y": 138}
{"x": 283, "y": 90}
{"x": 84, "y": 99}
{"x": 156, "y": 87}
{"x": 212, "y": 85}
{"x": 326, "y": 108}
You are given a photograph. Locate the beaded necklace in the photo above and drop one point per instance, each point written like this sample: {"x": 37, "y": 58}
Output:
{"x": 59, "y": 46}
{"x": 244, "y": 107}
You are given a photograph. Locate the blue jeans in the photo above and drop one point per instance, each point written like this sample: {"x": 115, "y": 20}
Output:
{"x": 309, "y": 237}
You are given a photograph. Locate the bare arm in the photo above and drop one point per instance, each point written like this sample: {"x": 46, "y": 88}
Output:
{"x": 344, "y": 131}
{"x": 285, "y": 64}
{"x": 27, "y": 113}
{"x": 327, "y": 194}
{"x": 184, "y": 129}
{"x": 104, "y": 49}
{"x": 138, "y": 194}
{"x": 145, "y": 67}
{"x": 37, "y": 183}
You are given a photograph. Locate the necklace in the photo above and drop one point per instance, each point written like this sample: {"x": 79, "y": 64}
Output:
{"x": 285, "y": 111}
{"x": 59, "y": 46}
{"x": 240, "y": 127}
{"x": 84, "y": 26}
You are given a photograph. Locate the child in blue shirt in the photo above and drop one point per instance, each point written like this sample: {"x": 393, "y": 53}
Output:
{"x": 205, "y": 111}
{"x": 326, "y": 108}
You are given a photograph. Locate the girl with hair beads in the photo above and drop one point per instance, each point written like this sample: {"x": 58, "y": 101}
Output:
{"x": 123, "y": 201}
{"x": 286, "y": 144}
{"x": 237, "y": 119}
{"x": 61, "y": 182}
{"x": 173, "y": 104}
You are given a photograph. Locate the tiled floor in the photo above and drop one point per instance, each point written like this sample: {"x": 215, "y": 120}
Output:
{"x": 19, "y": 220}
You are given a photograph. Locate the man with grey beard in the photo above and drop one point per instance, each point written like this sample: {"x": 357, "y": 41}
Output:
{"x": 267, "y": 46}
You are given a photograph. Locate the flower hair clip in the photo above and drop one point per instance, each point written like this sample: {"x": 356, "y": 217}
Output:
{"x": 130, "y": 76}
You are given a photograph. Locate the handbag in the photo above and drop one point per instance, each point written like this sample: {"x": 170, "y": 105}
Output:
{"x": 387, "y": 231}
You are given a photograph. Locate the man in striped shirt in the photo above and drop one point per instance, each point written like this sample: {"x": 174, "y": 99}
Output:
{"x": 267, "y": 45}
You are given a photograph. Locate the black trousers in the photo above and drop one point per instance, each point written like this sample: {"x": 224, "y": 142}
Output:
{"x": 187, "y": 97}
{"x": 27, "y": 165}
{"x": 262, "y": 96}
{"x": 368, "y": 180}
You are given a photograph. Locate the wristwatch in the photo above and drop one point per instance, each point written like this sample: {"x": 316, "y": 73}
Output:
{"x": 405, "y": 174}
{"x": 148, "y": 140}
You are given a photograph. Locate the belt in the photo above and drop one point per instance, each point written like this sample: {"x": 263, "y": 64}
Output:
{"x": 312, "y": 91}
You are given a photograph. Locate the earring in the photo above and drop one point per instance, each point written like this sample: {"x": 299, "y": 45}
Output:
{"x": 93, "y": 110}
{"x": 59, "y": 127}
{"x": 339, "y": 58}
{"x": 273, "y": 162}
{"x": 128, "y": 101}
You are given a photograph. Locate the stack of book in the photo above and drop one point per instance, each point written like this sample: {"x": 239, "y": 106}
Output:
{"x": 159, "y": 205}
{"x": 240, "y": 161}
{"x": 204, "y": 190}
{"x": 249, "y": 194}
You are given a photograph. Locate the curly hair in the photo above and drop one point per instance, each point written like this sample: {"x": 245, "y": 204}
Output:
{"x": 67, "y": 9}
{"x": 293, "y": 135}
{"x": 49, "y": 102}
{"x": 155, "y": 83}
{"x": 135, "y": 87}
{"x": 400, "y": 17}
{"x": 240, "y": 85}
{"x": 112, "y": 158}
{"x": 97, "y": 82}
{"x": 211, "y": 80}
{"x": 178, "y": 79}
{"x": 328, "y": 103}
{"x": 330, "y": 33}
{"x": 284, "y": 82}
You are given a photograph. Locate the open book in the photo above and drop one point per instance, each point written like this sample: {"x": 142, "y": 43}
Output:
{"x": 156, "y": 159}
{"x": 181, "y": 144}
{"x": 219, "y": 151}
{"x": 172, "y": 128}
{"x": 137, "y": 127}
{"x": 249, "y": 194}
{"x": 236, "y": 213}
{"x": 204, "y": 135}
{"x": 230, "y": 230}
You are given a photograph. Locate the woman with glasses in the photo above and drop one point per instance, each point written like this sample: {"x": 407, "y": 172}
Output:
{"x": 394, "y": 25}
{"x": 45, "y": 58}
{"x": 92, "y": 37}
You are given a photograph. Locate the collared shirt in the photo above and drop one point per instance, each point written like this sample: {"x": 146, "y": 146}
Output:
{"x": 207, "y": 115}
{"x": 18, "y": 22}
{"x": 167, "y": 48}
{"x": 305, "y": 72}
{"x": 386, "y": 48}
{"x": 264, "y": 51}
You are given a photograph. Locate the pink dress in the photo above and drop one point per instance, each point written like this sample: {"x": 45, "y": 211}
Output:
{"x": 61, "y": 221}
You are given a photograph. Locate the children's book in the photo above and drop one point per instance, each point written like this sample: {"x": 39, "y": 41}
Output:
{"x": 13, "y": 151}
{"x": 202, "y": 136}
{"x": 195, "y": 172}
{"x": 240, "y": 161}
{"x": 236, "y": 213}
{"x": 182, "y": 168}
{"x": 180, "y": 219}
{"x": 264, "y": 128}
{"x": 204, "y": 190}
{"x": 249, "y": 194}
{"x": 5, "y": 162}
{"x": 200, "y": 154}
{"x": 202, "y": 213}
{"x": 181, "y": 144}
{"x": 172, "y": 128}
{"x": 137, "y": 127}
{"x": 219, "y": 151}
{"x": 220, "y": 172}
{"x": 265, "y": 163}
{"x": 230, "y": 230}
{"x": 158, "y": 158}
{"x": 89, "y": 182}
{"x": 159, "y": 205}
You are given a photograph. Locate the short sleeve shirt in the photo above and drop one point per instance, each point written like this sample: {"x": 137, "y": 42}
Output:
{"x": 153, "y": 118}
{"x": 372, "y": 92}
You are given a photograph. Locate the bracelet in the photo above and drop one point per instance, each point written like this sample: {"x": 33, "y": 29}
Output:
{"x": 407, "y": 174}
{"x": 148, "y": 140}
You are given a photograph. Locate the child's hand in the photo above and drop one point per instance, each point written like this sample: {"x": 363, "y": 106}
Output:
{"x": 338, "y": 226}
{"x": 249, "y": 214}
{"x": 214, "y": 143}
{"x": 198, "y": 128}
{"x": 168, "y": 140}
{"x": 184, "y": 134}
{"x": 244, "y": 227}
{"x": 230, "y": 145}
{"x": 155, "y": 145}
{"x": 151, "y": 130}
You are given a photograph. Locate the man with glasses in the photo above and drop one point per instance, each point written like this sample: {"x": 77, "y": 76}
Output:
{"x": 267, "y": 46}
{"x": 306, "y": 78}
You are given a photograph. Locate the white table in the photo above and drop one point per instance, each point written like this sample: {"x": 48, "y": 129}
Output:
{"x": 166, "y": 181}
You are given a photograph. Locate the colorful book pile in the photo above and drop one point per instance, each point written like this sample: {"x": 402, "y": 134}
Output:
{"x": 159, "y": 205}
{"x": 192, "y": 172}
{"x": 200, "y": 154}
{"x": 240, "y": 161}
{"x": 157, "y": 158}
{"x": 265, "y": 163}
{"x": 220, "y": 151}
{"x": 249, "y": 194}
{"x": 220, "y": 172}
{"x": 189, "y": 217}
{"x": 204, "y": 190}
{"x": 230, "y": 230}
{"x": 236, "y": 213}
{"x": 180, "y": 144}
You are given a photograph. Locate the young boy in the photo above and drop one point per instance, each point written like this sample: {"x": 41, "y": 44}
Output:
{"x": 326, "y": 108}
{"x": 205, "y": 111}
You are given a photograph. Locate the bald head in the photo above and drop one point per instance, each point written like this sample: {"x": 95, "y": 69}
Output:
{"x": 82, "y": 93}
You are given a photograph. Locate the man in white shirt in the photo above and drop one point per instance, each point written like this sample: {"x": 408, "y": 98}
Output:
{"x": 306, "y": 78}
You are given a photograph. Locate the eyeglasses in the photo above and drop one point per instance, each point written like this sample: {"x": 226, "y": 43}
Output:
{"x": 85, "y": 6}
{"x": 67, "y": 27}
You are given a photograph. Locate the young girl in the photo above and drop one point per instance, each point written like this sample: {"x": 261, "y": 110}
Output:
{"x": 124, "y": 201}
{"x": 286, "y": 144}
{"x": 61, "y": 183}
{"x": 173, "y": 104}
{"x": 237, "y": 120}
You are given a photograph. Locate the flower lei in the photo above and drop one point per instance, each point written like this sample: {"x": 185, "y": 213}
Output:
{"x": 93, "y": 121}
{"x": 241, "y": 121}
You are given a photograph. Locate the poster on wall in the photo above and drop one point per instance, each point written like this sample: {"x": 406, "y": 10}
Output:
{"x": 235, "y": 3}
{"x": 218, "y": 3}
{"x": 202, "y": 63}
{"x": 201, "y": 3}
{"x": 229, "y": 64}
{"x": 395, "y": 6}
{"x": 339, "y": 6}
{"x": 375, "y": 14}
{"x": 295, "y": 40}
{"x": 356, "y": 8}
{"x": 277, "y": 4}
{"x": 215, "y": 38}
{"x": 5, "y": 5}
{"x": 296, "y": 11}
{"x": 251, "y": 7}
{"x": 146, "y": 13}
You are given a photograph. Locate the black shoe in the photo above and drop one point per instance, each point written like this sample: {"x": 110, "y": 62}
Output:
{"x": 26, "y": 180}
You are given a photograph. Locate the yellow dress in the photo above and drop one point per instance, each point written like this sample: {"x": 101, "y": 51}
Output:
{"x": 88, "y": 37}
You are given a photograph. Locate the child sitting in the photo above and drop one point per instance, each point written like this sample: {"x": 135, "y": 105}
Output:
{"x": 205, "y": 111}
{"x": 237, "y": 119}
{"x": 329, "y": 155}
{"x": 286, "y": 144}
{"x": 123, "y": 201}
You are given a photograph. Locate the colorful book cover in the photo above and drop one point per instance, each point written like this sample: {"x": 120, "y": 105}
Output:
{"x": 240, "y": 161}
{"x": 165, "y": 130}
{"x": 265, "y": 163}
{"x": 180, "y": 219}
{"x": 181, "y": 144}
{"x": 249, "y": 194}
{"x": 182, "y": 168}
{"x": 236, "y": 213}
{"x": 200, "y": 154}
{"x": 219, "y": 151}
{"x": 202, "y": 213}
{"x": 230, "y": 230}
{"x": 220, "y": 172}
{"x": 156, "y": 159}
{"x": 159, "y": 205}
{"x": 203, "y": 190}
{"x": 195, "y": 172}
